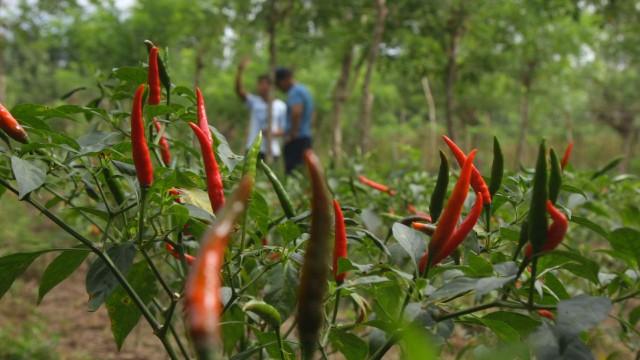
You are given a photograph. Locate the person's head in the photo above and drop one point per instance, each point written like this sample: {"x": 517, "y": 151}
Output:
{"x": 263, "y": 85}
{"x": 284, "y": 78}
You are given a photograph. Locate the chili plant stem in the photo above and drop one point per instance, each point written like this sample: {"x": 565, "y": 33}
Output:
{"x": 280, "y": 346}
{"x": 534, "y": 270}
{"x": 335, "y": 308}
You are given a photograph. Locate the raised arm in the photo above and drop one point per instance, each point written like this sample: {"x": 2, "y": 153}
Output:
{"x": 240, "y": 90}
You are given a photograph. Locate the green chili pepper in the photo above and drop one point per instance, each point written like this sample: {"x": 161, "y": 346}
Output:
{"x": 538, "y": 208}
{"x": 283, "y": 197}
{"x": 440, "y": 191}
{"x": 497, "y": 168}
{"x": 267, "y": 312}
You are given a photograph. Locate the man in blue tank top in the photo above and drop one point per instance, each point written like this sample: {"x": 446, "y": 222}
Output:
{"x": 300, "y": 114}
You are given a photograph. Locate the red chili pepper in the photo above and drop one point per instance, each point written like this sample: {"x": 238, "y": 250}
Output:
{"x": 176, "y": 193}
{"x": 203, "y": 122}
{"x": 11, "y": 126}
{"x": 340, "y": 246}
{"x": 449, "y": 218}
{"x": 566, "y": 156}
{"x": 141, "y": 157}
{"x": 188, "y": 258}
{"x": 424, "y": 228}
{"x": 462, "y": 231}
{"x": 547, "y": 314}
{"x": 477, "y": 182}
{"x": 214, "y": 179}
{"x": 555, "y": 232}
{"x": 377, "y": 186}
{"x": 203, "y": 303}
{"x": 165, "y": 152}
{"x": 155, "y": 91}
{"x": 412, "y": 209}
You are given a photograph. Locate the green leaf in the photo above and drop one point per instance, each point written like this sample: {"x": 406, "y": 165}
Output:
{"x": 572, "y": 261}
{"x": 416, "y": 345}
{"x": 555, "y": 177}
{"x": 232, "y": 327}
{"x": 29, "y": 176}
{"x": 581, "y": 313}
{"x": 100, "y": 281}
{"x": 538, "y": 211}
{"x": 523, "y": 324}
{"x": 12, "y": 266}
{"x": 497, "y": 167}
{"x": 503, "y": 330}
{"x": 478, "y": 265}
{"x": 626, "y": 241}
{"x": 440, "y": 191}
{"x": 608, "y": 167}
{"x": 59, "y": 269}
{"x": 582, "y": 221}
{"x": 634, "y": 316}
{"x": 350, "y": 345}
{"x": 123, "y": 311}
{"x": 133, "y": 75}
{"x": 410, "y": 240}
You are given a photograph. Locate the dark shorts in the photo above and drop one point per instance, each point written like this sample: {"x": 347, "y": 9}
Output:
{"x": 294, "y": 151}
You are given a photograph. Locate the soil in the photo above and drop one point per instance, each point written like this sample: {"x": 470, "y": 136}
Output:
{"x": 63, "y": 316}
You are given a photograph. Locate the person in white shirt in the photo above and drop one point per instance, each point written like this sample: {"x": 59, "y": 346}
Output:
{"x": 258, "y": 107}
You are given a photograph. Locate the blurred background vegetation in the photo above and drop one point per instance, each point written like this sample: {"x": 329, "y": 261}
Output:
{"x": 566, "y": 70}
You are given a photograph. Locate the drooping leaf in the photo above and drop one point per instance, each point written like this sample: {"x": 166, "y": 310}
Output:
{"x": 608, "y": 167}
{"x": 12, "y": 266}
{"x": 581, "y": 313}
{"x": 124, "y": 313}
{"x": 100, "y": 281}
{"x": 410, "y": 240}
{"x": 29, "y": 176}
{"x": 59, "y": 269}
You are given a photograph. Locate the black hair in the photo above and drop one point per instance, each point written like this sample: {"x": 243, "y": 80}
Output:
{"x": 264, "y": 77}
{"x": 283, "y": 73}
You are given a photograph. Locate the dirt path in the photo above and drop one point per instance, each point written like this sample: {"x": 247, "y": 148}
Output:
{"x": 62, "y": 318}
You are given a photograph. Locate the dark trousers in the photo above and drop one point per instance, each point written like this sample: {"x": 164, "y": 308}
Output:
{"x": 294, "y": 151}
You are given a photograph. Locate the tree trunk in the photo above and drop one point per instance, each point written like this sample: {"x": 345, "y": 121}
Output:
{"x": 527, "y": 82}
{"x": 451, "y": 70}
{"x": 339, "y": 98}
{"x": 630, "y": 139}
{"x": 524, "y": 123}
{"x": 199, "y": 66}
{"x": 431, "y": 154}
{"x": 367, "y": 97}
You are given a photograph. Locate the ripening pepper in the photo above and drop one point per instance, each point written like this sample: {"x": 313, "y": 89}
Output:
{"x": 423, "y": 228}
{"x": 165, "y": 151}
{"x": 141, "y": 157}
{"x": 566, "y": 156}
{"x": 446, "y": 228}
{"x": 203, "y": 122}
{"x": 187, "y": 257}
{"x": 153, "y": 77}
{"x": 340, "y": 245}
{"x": 555, "y": 232}
{"x": 11, "y": 126}
{"x": 375, "y": 185}
{"x": 214, "y": 178}
{"x": 547, "y": 314}
{"x": 315, "y": 268}
{"x": 477, "y": 182}
{"x": 203, "y": 303}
